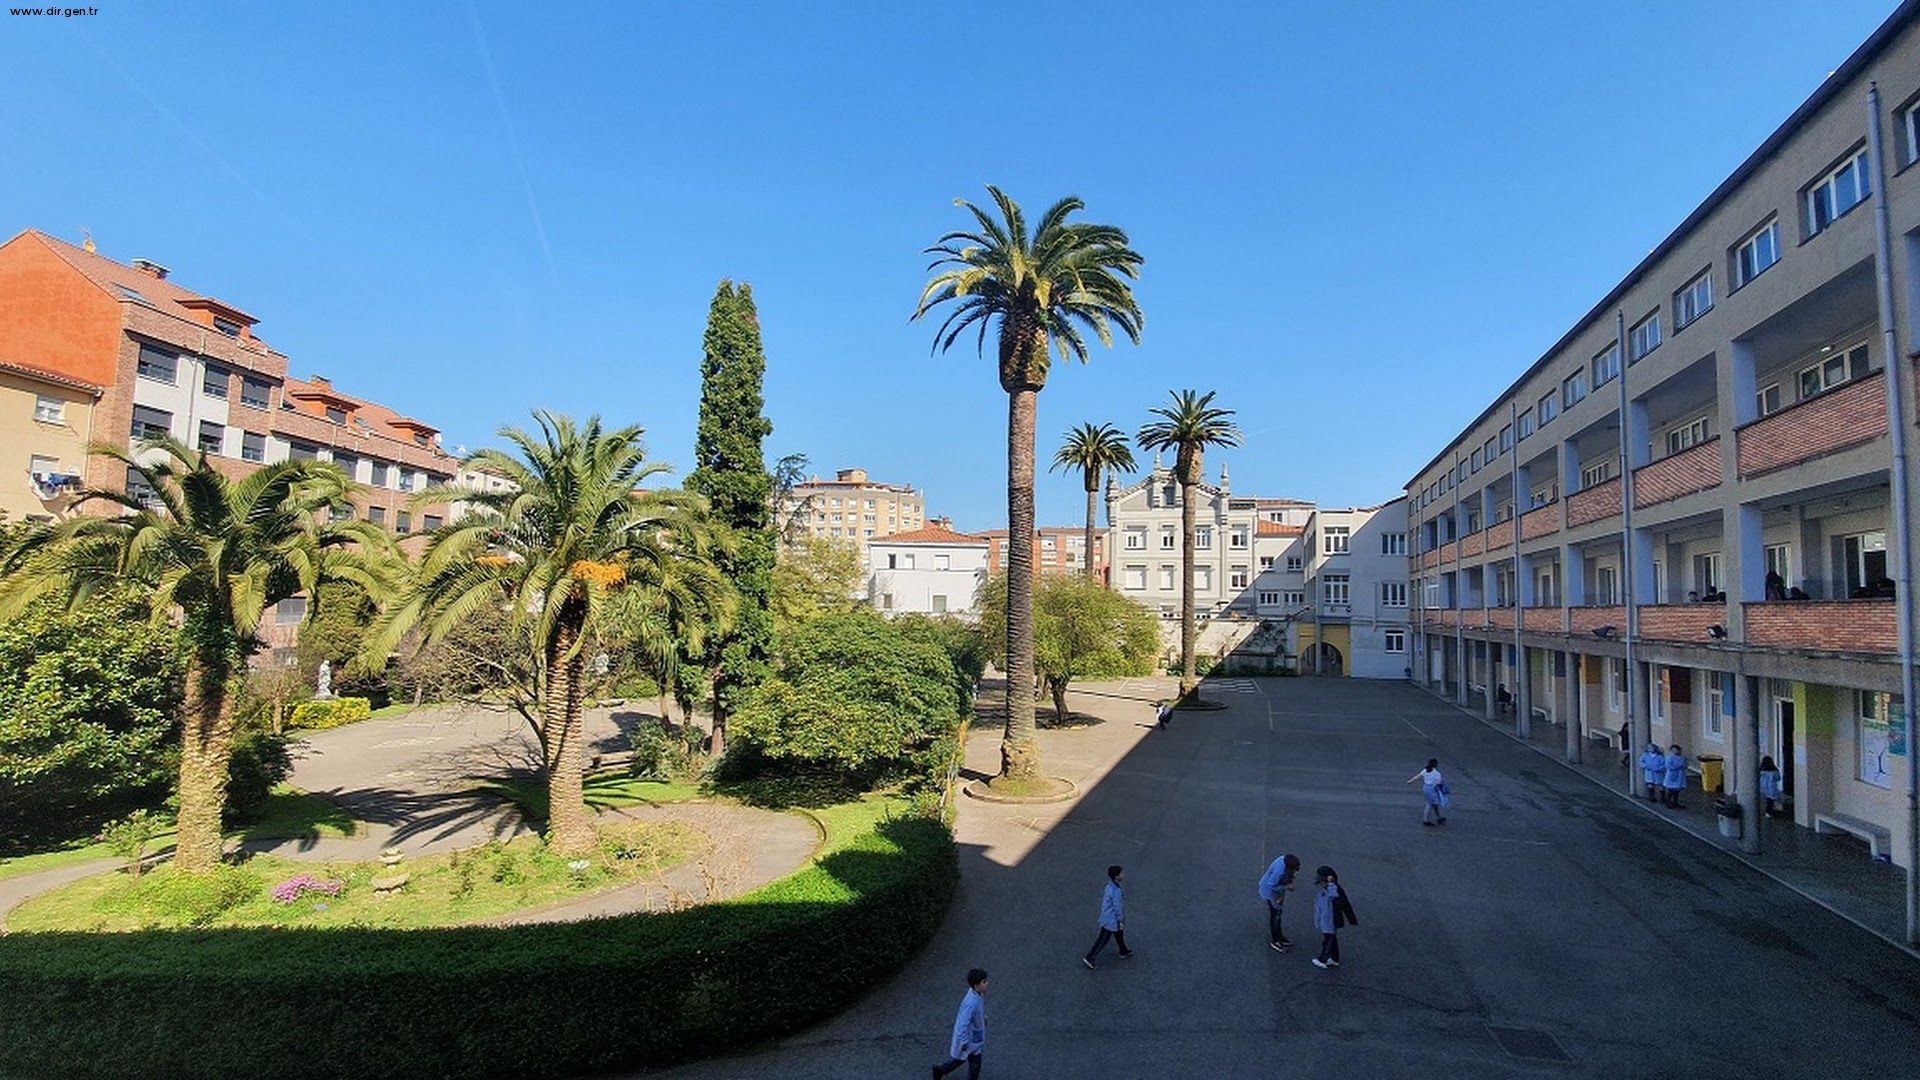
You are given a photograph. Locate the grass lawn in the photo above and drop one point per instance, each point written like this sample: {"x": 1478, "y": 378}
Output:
{"x": 394, "y": 708}
{"x": 442, "y": 890}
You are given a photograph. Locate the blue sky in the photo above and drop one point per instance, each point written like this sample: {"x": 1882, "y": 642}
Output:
{"x": 1360, "y": 221}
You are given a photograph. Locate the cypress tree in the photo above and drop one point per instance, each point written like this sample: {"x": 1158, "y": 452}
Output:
{"x": 731, "y": 472}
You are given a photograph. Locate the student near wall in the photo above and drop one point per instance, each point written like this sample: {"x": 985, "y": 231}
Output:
{"x": 1770, "y": 785}
{"x": 1674, "y": 776}
{"x": 1653, "y": 766}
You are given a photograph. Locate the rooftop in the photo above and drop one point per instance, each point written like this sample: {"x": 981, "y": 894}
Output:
{"x": 139, "y": 286}
{"x": 932, "y": 534}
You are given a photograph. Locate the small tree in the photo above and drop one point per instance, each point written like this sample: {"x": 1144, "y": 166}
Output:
{"x": 815, "y": 577}
{"x": 1082, "y": 630}
{"x": 129, "y": 837}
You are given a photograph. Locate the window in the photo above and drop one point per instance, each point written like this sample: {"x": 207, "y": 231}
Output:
{"x": 213, "y": 381}
{"x": 1597, "y": 473}
{"x": 300, "y": 451}
{"x": 431, "y": 522}
{"x": 1474, "y": 461}
{"x": 1203, "y": 579}
{"x": 226, "y": 326}
{"x": 253, "y": 392}
{"x": 1393, "y": 543}
{"x": 1617, "y": 685}
{"x": 906, "y": 561}
{"x": 377, "y": 515}
{"x": 212, "y": 437}
{"x": 1334, "y": 589}
{"x": 380, "y": 469}
{"x": 1134, "y": 577}
{"x": 402, "y": 522}
{"x": 336, "y": 415}
{"x": 943, "y": 562}
{"x": 1606, "y": 586}
{"x": 1203, "y": 537}
{"x": 1689, "y": 434}
{"x": 1875, "y": 717}
{"x": 49, "y": 410}
{"x": 1574, "y": 390}
{"x": 1549, "y": 408}
{"x": 1716, "y": 704}
{"x": 253, "y": 446}
{"x": 1766, "y": 400}
{"x": 1266, "y": 563}
{"x": 1166, "y": 578}
{"x": 290, "y": 611}
{"x": 1780, "y": 561}
{"x": 141, "y": 491}
{"x": 939, "y": 604}
{"x": 1394, "y": 641}
{"x": 1237, "y": 538}
{"x": 1910, "y": 133}
{"x": 1606, "y": 365}
{"x": 1838, "y": 192}
{"x": 346, "y": 463}
{"x": 157, "y": 364}
{"x": 1136, "y": 539}
{"x": 1837, "y": 367}
{"x": 151, "y": 423}
{"x": 1433, "y": 593}
{"x": 1168, "y": 538}
{"x": 1706, "y": 573}
{"x": 1237, "y": 579}
{"x": 1756, "y": 253}
{"x": 1644, "y": 337}
{"x": 893, "y": 562}
{"x": 407, "y": 482}
{"x": 1269, "y": 598}
{"x": 1292, "y": 597}
{"x": 1048, "y": 543}
{"x": 1393, "y": 594}
{"x": 1543, "y": 495}
{"x": 1526, "y": 424}
{"x": 1865, "y": 559}
{"x": 1334, "y": 539}
{"x": 1694, "y": 299}
{"x": 1506, "y": 438}
{"x": 1295, "y": 563}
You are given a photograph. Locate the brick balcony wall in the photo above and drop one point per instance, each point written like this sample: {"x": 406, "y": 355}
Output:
{"x": 1696, "y": 468}
{"x": 1473, "y": 545}
{"x": 323, "y": 432}
{"x": 1430, "y": 559}
{"x": 1545, "y": 620}
{"x": 1500, "y": 617}
{"x": 1680, "y": 622}
{"x": 1862, "y": 626}
{"x": 1853, "y": 414}
{"x": 1597, "y": 503}
{"x": 1585, "y": 620}
{"x": 1540, "y": 521}
{"x": 251, "y": 356}
{"x": 1500, "y": 535}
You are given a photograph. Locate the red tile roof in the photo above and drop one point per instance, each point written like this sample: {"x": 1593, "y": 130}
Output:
{"x": 932, "y": 534}
{"x": 379, "y": 418}
{"x": 158, "y": 293}
{"x": 1274, "y": 528}
{"x": 53, "y": 377}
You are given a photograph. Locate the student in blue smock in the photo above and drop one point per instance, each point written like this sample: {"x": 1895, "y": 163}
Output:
{"x": 1433, "y": 790}
{"x": 1275, "y": 884}
{"x": 1770, "y": 785}
{"x": 1653, "y": 763}
{"x": 1674, "y": 775}
{"x": 1331, "y": 911}
{"x": 969, "y": 1029}
{"x": 1113, "y": 918}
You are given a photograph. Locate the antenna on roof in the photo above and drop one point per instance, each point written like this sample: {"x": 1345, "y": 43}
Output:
{"x": 86, "y": 241}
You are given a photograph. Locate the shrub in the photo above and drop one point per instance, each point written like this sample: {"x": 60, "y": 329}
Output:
{"x": 320, "y": 715}
{"x": 478, "y": 1001}
{"x": 129, "y": 837}
{"x": 260, "y": 761}
{"x": 666, "y": 753}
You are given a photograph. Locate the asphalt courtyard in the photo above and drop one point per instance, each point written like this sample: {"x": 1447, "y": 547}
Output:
{"x": 1550, "y": 928}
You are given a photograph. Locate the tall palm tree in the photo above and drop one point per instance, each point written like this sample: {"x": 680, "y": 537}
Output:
{"x": 556, "y": 551}
{"x": 1040, "y": 290}
{"x": 1094, "y": 449}
{"x": 215, "y": 553}
{"x": 1188, "y": 426}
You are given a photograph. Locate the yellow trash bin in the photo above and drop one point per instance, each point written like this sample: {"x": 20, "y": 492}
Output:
{"x": 1713, "y": 772}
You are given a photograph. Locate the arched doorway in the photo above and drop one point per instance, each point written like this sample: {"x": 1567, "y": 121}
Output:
{"x": 1323, "y": 659}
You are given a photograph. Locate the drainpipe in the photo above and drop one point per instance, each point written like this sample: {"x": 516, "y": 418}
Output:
{"x": 1523, "y": 674}
{"x": 1903, "y": 552}
{"x": 1637, "y": 719}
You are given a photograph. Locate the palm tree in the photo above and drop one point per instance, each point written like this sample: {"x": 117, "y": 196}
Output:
{"x": 557, "y": 551}
{"x": 1093, "y": 449}
{"x": 215, "y": 553}
{"x": 1041, "y": 290}
{"x": 1188, "y": 426}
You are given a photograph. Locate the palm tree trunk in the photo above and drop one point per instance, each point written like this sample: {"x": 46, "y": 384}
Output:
{"x": 1019, "y": 751}
{"x": 1093, "y": 507}
{"x": 569, "y": 828}
{"x": 205, "y": 750}
{"x": 1188, "y": 684}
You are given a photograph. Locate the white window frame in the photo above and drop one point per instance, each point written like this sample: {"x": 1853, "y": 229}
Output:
{"x": 1335, "y": 539}
{"x": 1393, "y": 641}
{"x": 1136, "y": 538}
{"x": 1134, "y": 578}
{"x": 1238, "y": 537}
{"x": 49, "y": 410}
{"x": 1549, "y": 407}
{"x": 1573, "y": 389}
{"x": 1393, "y": 594}
{"x": 943, "y": 562}
{"x": 1203, "y": 538}
{"x": 1766, "y": 400}
{"x": 1910, "y": 132}
{"x": 1295, "y": 564}
{"x": 1606, "y": 586}
{"x": 1687, "y": 435}
{"x": 1526, "y": 424}
{"x": 1266, "y": 563}
{"x": 1716, "y": 718}
{"x": 1169, "y": 538}
{"x": 1824, "y": 195}
{"x": 1596, "y": 474}
{"x": 1238, "y": 578}
{"x": 1336, "y": 589}
{"x": 1779, "y": 559}
{"x": 1506, "y": 438}
{"x": 1269, "y": 598}
{"x": 1203, "y": 578}
{"x": 1763, "y": 241}
{"x": 1606, "y": 365}
{"x": 1821, "y": 370}
{"x": 1292, "y": 597}
{"x": 1644, "y": 337}
{"x": 1167, "y": 579}
{"x": 1393, "y": 543}
{"x": 1693, "y": 300}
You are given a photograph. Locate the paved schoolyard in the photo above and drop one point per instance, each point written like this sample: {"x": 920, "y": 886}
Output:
{"x": 1547, "y": 911}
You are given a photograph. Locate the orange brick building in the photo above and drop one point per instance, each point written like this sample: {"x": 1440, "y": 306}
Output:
{"x": 1056, "y": 550}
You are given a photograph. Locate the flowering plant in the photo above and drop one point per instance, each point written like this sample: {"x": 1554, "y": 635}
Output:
{"x": 299, "y": 885}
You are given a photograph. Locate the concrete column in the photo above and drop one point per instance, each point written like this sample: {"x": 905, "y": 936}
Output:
{"x": 1673, "y": 558}
{"x": 1490, "y": 692}
{"x": 1744, "y": 562}
{"x": 1460, "y": 670}
{"x": 1523, "y": 691}
{"x": 1571, "y": 691}
{"x": 1573, "y": 576}
{"x": 1815, "y": 569}
{"x": 1522, "y": 490}
{"x": 1644, "y": 591}
{"x": 1639, "y": 691}
{"x": 1569, "y": 468}
{"x": 1739, "y": 380}
{"x": 1638, "y": 431}
{"x": 1746, "y": 758}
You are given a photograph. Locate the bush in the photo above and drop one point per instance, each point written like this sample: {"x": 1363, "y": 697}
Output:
{"x": 666, "y": 753}
{"x": 478, "y": 1001}
{"x": 320, "y": 715}
{"x": 260, "y": 761}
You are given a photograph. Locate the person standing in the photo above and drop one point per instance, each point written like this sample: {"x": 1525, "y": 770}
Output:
{"x": 1770, "y": 785}
{"x": 1433, "y": 789}
{"x": 1163, "y": 714}
{"x": 1653, "y": 764}
{"x": 1275, "y": 884}
{"x": 969, "y": 1029}
{"x": 1331, "y": 911}
{"x": 1113, "y": 918}
{"x": 1674, "y": 775}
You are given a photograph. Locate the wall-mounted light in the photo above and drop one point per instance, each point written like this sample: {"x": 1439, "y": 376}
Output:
{"x": 1605, "y": 632}
{"x": 1717, "y": 632}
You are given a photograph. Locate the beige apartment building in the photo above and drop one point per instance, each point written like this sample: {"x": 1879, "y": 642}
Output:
{"x": 852, "y": 507}
{"x": 46, "y": 420}
{"x": 1682, "y": 513}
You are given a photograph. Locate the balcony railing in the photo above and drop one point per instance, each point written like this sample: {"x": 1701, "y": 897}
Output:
{"x": 1681, "y": 622}
{"x": 1836, "y": 420}
{"x": 1500, "y": 535}
{"x": 1540, "y": 521}
{"x": 1696, "y": 468}
{"x": 1597, "y": 503}
{"x": 1860, "y": 626}
{"x": 1585, "y": 620}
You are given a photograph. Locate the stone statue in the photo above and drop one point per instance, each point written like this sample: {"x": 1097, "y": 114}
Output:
{"x": 323, "y": 682}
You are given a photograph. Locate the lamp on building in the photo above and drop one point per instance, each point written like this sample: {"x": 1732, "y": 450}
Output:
{"x": 1717, "y": 632}
{"x": 1603, "y": 632}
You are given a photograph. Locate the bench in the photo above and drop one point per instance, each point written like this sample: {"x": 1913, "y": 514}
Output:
{"x": 1879, "y": 840}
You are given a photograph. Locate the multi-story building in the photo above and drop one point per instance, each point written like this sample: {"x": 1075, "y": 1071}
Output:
{"x": 929, "y": 571}
{"x": 46, "y": 420}
{"x": 852, "y": 507}
{"x": 166, "y": 360}
{"x": 1280, "y": 575}
{"x": 1356, "y": 590}
{"x": 1744, "y": 374}
{"x": 1143, "y": 530}
{"x": 1057, "y": 549}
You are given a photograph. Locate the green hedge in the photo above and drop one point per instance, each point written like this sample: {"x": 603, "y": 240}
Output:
{"x": 332, "y": 713}
{"x": 478, "y": 1001}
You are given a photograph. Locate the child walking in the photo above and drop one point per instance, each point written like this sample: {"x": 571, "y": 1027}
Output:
{"x": 1433, "y": 790}
{"x": 1653, "y": 764}
{"x": 1770, "y": 785}
{"x": 1675, "y": 775}
{"x": 1113, "y": 918}
{"x": 1331, "y": 911}
{"x": 969, "y": 1029}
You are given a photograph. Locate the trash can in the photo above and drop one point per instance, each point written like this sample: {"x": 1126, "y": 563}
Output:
{"x": 1713, "y": 772}
{"x": 1728, "y": 813}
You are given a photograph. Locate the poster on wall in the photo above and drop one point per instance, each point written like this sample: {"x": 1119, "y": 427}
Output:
{"x": 1877, "y": 738}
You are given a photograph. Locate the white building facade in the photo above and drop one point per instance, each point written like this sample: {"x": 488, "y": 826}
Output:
{"x": 1357, "y": 593}
{"x": 929, "y": 571}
